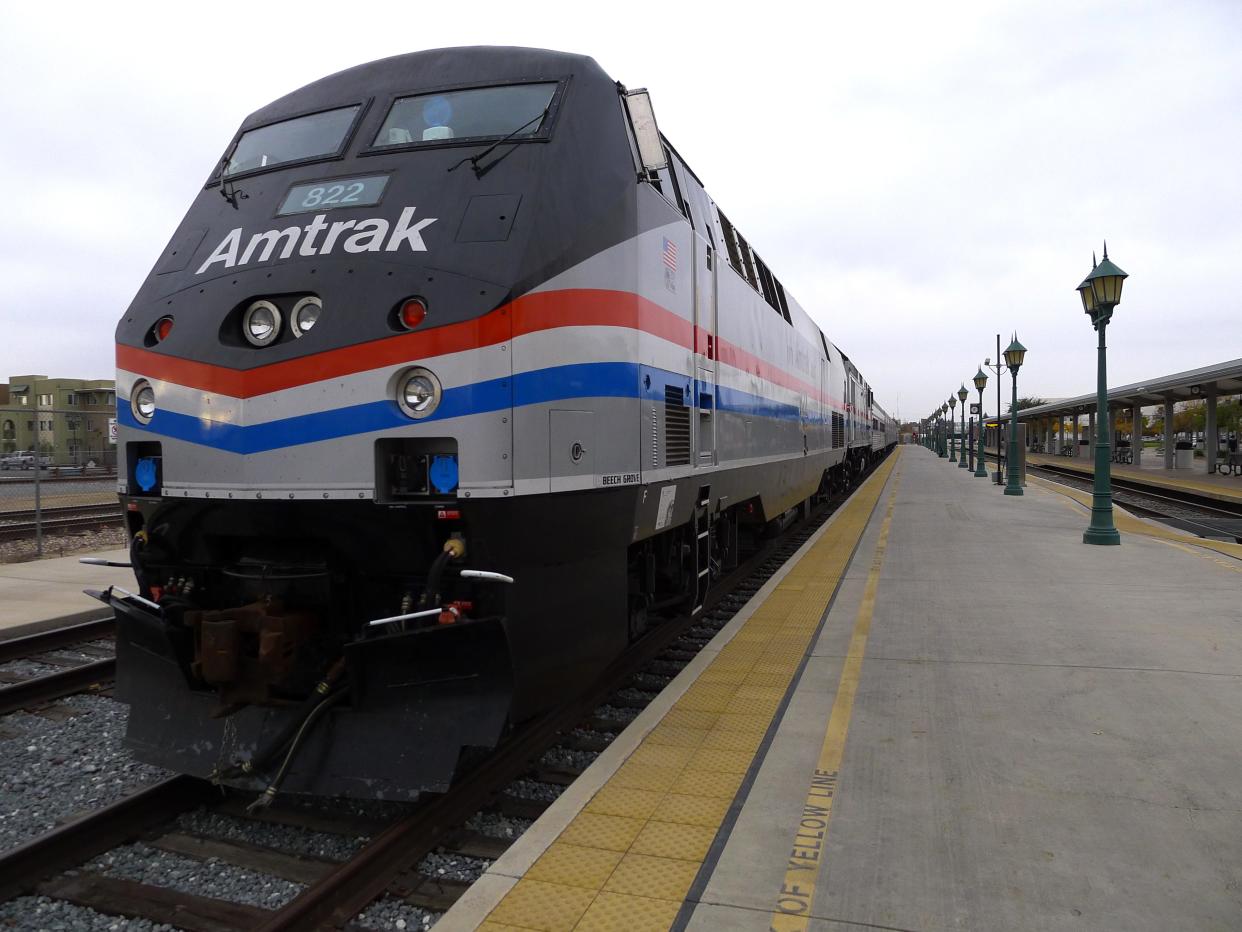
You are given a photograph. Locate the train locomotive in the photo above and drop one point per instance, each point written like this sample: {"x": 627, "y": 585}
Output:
{"x": 451, "y": 381}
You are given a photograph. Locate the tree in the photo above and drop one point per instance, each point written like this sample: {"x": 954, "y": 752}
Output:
{"x": 1024, "y": 403}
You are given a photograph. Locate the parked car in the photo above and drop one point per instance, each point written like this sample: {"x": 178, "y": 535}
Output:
{"x": 22, "y": 459}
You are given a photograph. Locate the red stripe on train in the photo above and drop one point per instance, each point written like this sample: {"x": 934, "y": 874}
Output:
{"x": 530, "y": 313}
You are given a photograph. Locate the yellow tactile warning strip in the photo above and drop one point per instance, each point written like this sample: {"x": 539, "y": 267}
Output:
{"x": 1129, "y": 524}
{"x": 627, "y": 860}
{"x": 797, "y": 893}
{"x": 1227, "y": 487}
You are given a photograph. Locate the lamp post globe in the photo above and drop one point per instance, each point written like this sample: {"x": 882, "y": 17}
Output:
{"x": 981, "y": 382}
{"x": 1015, "y": 354}
{"x": 1101, "y": 293}
{"x": 961, "y": 396}
{"x": 952, "y": 430}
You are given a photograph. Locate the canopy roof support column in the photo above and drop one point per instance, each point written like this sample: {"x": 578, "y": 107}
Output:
{"x": 1211, "y": 437}
{"x": 1136, "y": 434}
{"x": 1168, "y": 433}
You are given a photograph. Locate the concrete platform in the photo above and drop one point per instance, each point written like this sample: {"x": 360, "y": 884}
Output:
{"x": 1060, "y": 752}
{"x": 44, "y": 593}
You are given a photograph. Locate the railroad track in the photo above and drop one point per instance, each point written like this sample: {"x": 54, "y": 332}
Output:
{"x": 71, "y": 675}
{"x": 20, "y": 525}
{"x": 1200, "y": 515}
{"x": 539, "y": 759}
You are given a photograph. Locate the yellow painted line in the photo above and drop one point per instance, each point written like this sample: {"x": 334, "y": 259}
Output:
{"x": 1128, "y": 524}
{"x": 627, "y": 860}
{"x": 1231, "y": 565}
{"x": 793, "y": 905}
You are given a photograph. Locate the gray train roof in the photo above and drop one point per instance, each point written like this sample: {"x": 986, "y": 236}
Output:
{"x": 1180, "y": 386}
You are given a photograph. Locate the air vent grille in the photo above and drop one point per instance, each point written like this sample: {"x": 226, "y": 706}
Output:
{"x": 838, "y": 430}
{"x": 676, "y": 427}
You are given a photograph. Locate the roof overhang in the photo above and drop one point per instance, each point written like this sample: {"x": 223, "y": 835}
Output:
{"x": 1225, "y": 378}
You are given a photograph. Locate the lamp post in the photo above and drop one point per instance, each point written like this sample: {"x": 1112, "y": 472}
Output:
{"x": 952, "y": 430}
{"x": 981, "y": 382}
{"x": 1101, "y": 292}
{"x": 962, "y": 395}
{"x": 944, "y": 441}
{"x": 1015, "y": 353}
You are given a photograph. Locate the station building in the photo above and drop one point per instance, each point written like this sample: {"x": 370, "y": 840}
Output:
{"x": 67, "y": 420}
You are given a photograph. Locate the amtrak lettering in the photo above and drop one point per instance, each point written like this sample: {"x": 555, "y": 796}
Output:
{"x": 366, "y": 236}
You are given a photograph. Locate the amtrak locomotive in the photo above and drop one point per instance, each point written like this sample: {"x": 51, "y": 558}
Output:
{"x": 451, "y": 380}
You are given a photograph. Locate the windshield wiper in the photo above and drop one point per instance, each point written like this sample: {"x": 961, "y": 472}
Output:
{"x": 229, "y": 191}
{"x": 475, "y": 159}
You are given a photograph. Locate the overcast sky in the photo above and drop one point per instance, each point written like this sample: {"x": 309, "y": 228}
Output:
{"x": 920, "y": 175}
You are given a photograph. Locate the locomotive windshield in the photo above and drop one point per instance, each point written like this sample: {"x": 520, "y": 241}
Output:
{"x": 307, "y": 137}
{"x": 482, "y": 112}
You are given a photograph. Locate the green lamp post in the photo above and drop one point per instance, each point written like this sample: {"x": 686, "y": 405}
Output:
{"x": 952, "y": 430}
{"x": 961, "y": 395}
{"x": 1101, "y": 292}
{"x": 944, "y": 441}
{"x": 1015, "y": 353}
{"x": 981, "y": 382}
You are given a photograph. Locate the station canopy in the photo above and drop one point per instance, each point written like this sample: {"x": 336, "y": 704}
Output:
{"x": 1181, "y": 386}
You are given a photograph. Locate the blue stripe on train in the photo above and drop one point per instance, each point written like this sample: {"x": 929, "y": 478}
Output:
{"x": 558, "y": 383}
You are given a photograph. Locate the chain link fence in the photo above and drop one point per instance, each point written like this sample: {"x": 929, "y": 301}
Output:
{"x": 57, "y": 481}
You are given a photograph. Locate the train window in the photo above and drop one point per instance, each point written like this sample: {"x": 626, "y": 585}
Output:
{"x": 765, "y": 281}
{"x": 730, "y": 243}
{"x": 314, "y": 136}
{"x": 744, "y": 248}
{"x": 517, "y": 110}
{"x": 784, "y": 303}
{"x": 668, "y": 186}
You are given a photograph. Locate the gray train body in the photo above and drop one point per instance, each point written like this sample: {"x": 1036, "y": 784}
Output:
{"x": 608, "y": 371}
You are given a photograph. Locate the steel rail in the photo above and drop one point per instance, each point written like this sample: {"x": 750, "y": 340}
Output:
{"x": 64, "y": 511}
{"x": 44, "y": 641}
{"x": 64, "y": 682}
{"x": 1219, "y": 506}
{"x": 1122, "y": 499}
{"x": 83, "y": 838}
{"x": 28, "y": 529}
{"x": 1160, "y": 492}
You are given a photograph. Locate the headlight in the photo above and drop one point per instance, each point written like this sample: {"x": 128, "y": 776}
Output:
{"x": 304, "y": 315}
{"x": 418, "y": 392}
{"x": 261, "y": 323}
{"x": 142, "y": 401}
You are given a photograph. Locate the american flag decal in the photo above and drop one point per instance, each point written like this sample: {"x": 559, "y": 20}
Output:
{"x": 670, "y": 254}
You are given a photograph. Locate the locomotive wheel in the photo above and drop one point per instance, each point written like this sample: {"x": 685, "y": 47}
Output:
{"x": 638, "y": 617}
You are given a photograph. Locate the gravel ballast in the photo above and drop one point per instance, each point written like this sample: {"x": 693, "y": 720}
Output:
{"x": 390, "y": 913}
{"x": 300, "y": 841}
{"x": 55, "y": 767}
{"x": 39, "y": 912}
{"x": 213, "y": 878}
